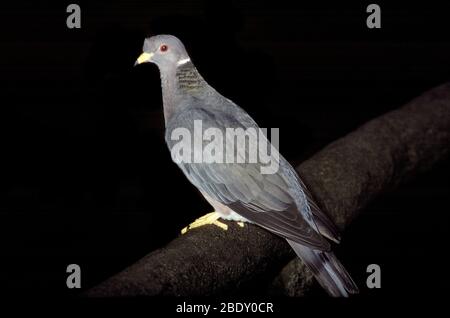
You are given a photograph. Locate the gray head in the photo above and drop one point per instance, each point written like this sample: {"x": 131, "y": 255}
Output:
{"x": 166, "y": 51}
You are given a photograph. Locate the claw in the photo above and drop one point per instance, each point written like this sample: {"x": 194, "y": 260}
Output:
{"x": 210, "y": 218}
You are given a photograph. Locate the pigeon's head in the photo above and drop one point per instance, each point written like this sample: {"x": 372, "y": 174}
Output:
{"x": 166, "y": 51}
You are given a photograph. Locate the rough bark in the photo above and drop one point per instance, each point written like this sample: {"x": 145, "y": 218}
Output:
{"x": 343, "y": 177}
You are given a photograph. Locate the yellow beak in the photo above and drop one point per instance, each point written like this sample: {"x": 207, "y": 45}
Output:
{"x": 144, "y": 57}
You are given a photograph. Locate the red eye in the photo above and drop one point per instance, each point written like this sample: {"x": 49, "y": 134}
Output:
{"x": 163, "y": 48}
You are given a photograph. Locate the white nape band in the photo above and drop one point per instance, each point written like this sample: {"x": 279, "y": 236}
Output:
{"x": 183, "y": 61}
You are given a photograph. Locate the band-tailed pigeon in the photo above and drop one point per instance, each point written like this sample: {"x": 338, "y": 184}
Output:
{"x": 278, "y": 202}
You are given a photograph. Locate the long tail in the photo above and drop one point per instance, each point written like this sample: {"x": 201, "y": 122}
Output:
{"x": 327, "y": 269}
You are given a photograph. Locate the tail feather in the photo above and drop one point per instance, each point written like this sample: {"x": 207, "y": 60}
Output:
{"x": 327, "y": 269}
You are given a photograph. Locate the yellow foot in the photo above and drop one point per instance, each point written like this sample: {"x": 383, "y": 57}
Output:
{"x": 210, "y": 218}
{"x": 241, "y": 224}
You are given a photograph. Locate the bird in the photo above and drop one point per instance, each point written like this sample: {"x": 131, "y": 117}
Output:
{"x": 278, "y": 202}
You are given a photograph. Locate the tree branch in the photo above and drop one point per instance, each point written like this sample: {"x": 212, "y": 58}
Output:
{"x": 344, "y": 177}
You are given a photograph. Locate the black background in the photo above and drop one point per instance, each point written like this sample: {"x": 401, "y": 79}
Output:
{"x": 86, "y": 177}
